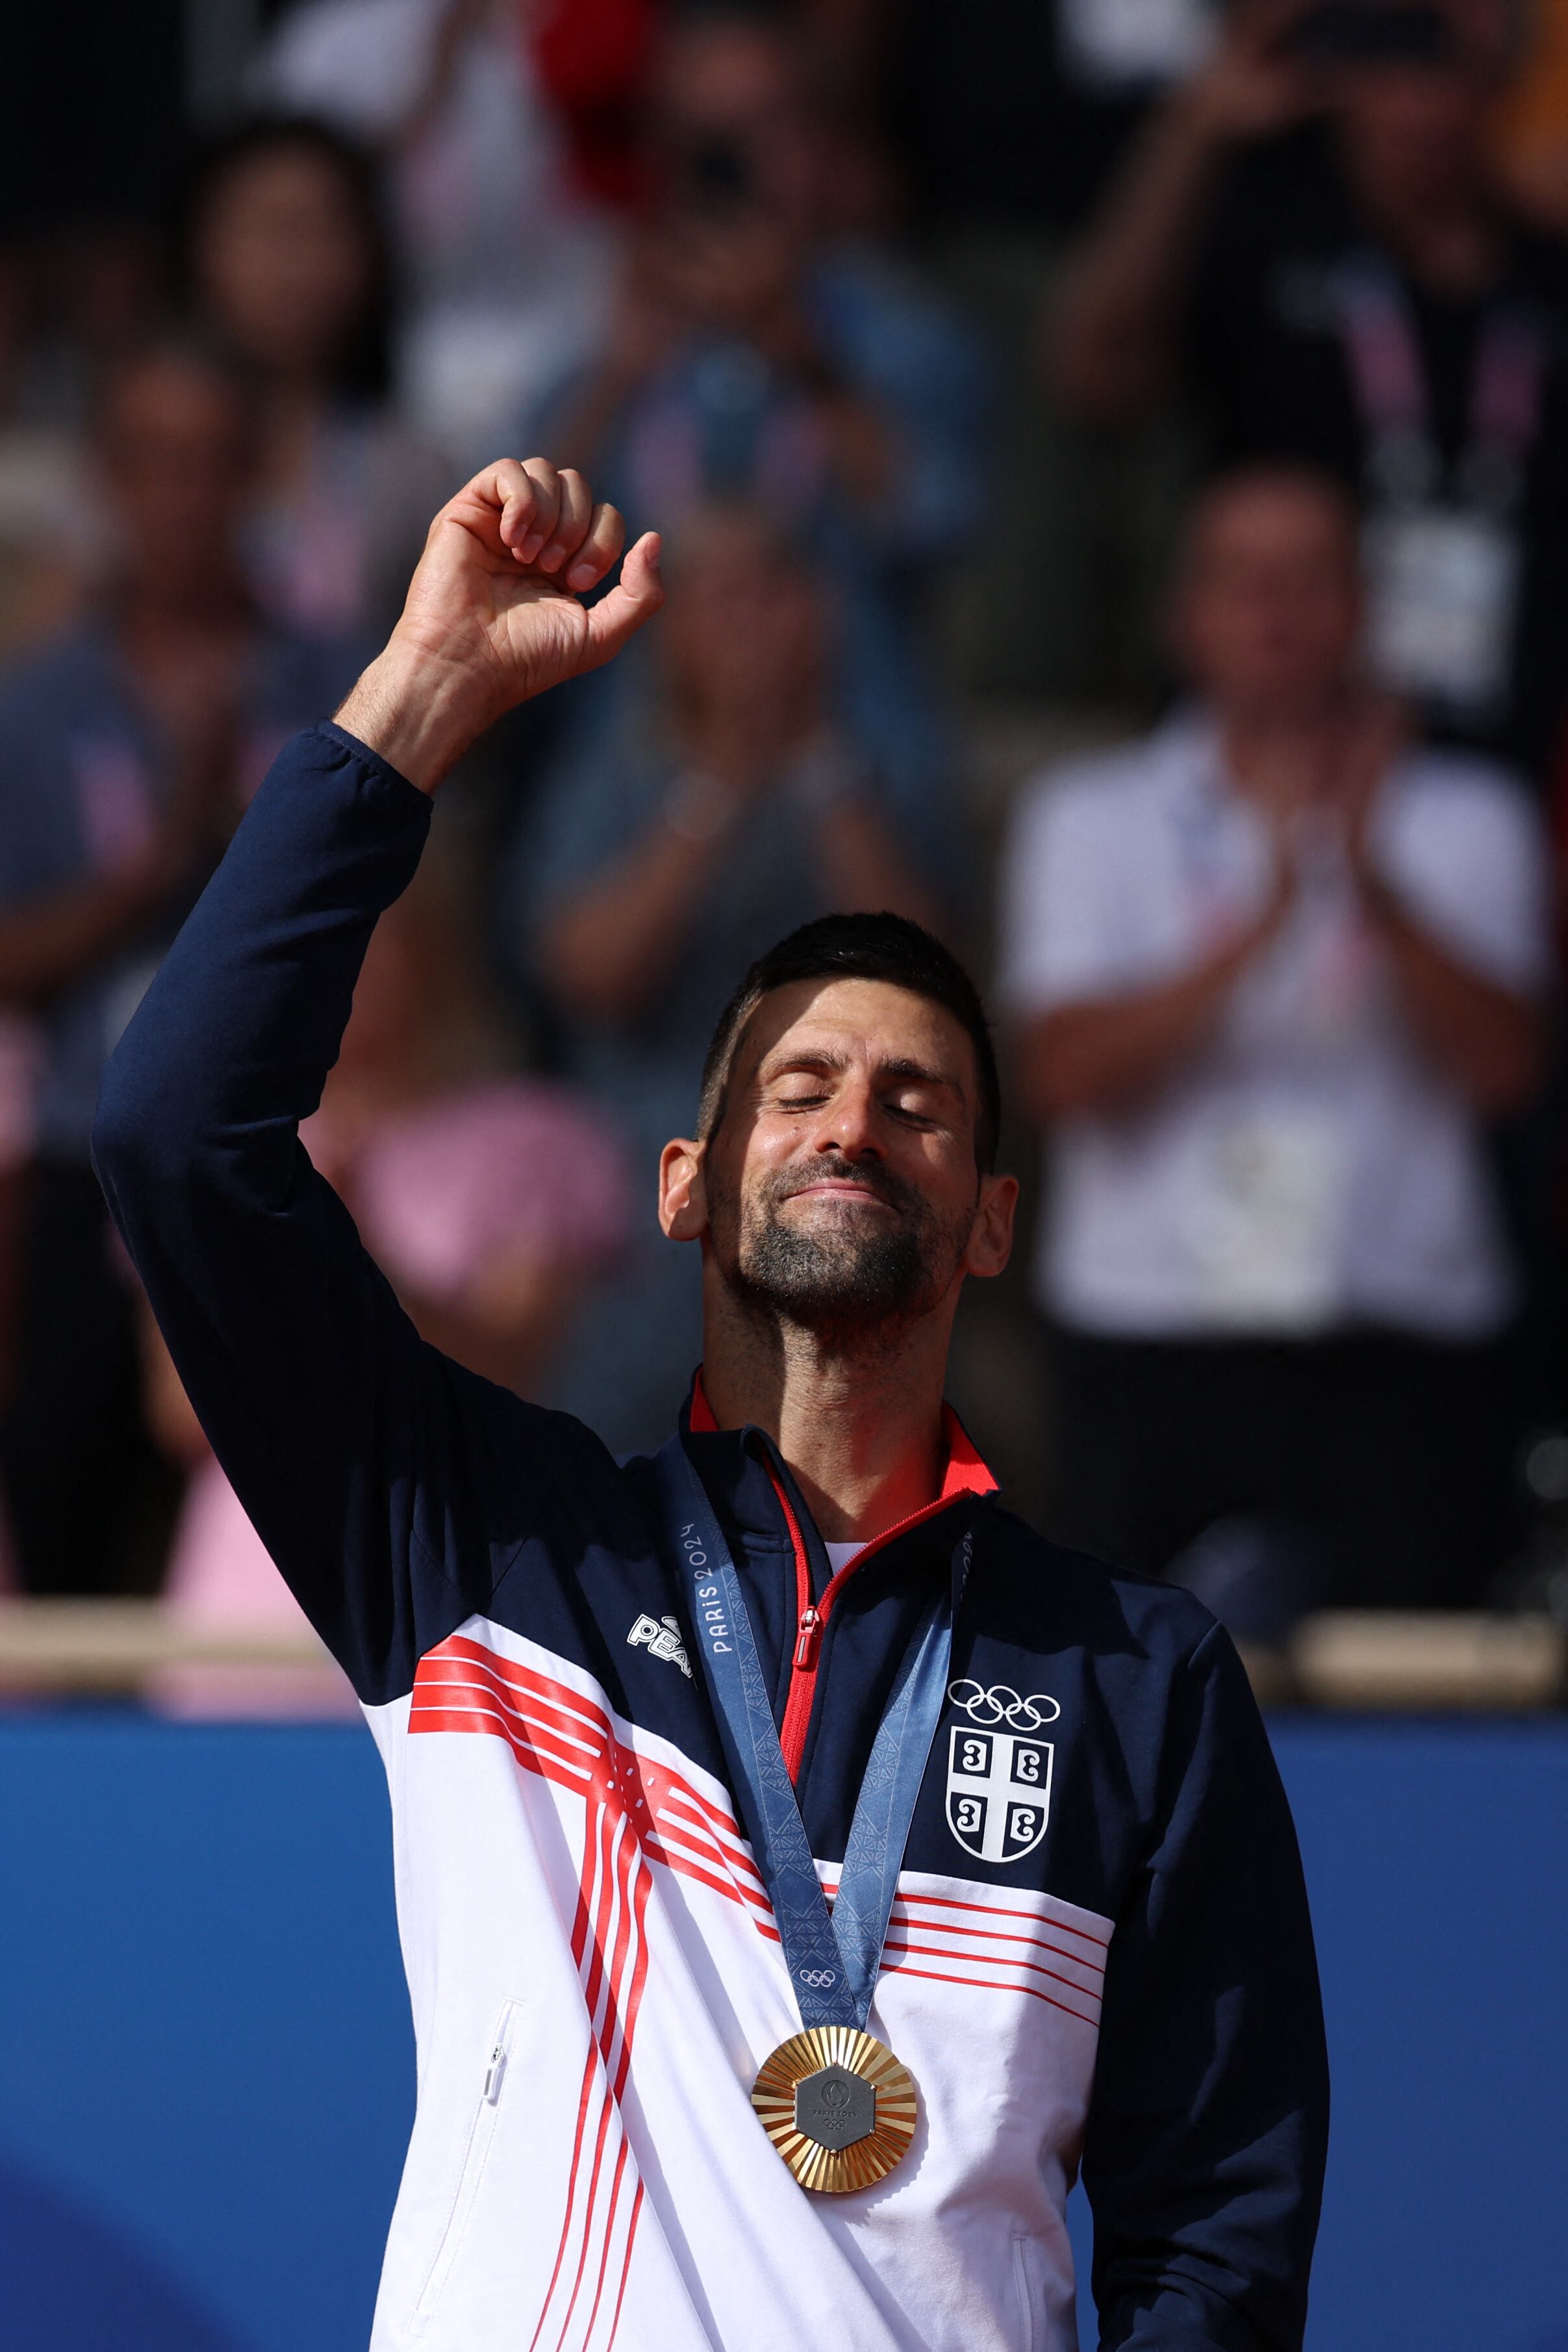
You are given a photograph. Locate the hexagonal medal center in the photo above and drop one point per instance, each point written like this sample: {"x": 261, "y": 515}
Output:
{"x": 834, "y": 2107}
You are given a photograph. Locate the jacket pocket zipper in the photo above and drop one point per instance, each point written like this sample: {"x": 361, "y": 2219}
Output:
{"x": 1025, "y": 2291}
{"x": 480, "y": 2134}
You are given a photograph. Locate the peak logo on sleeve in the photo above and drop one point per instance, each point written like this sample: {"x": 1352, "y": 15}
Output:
{"x": 998, "y": 1778}
{"x": 661, "y": 1639}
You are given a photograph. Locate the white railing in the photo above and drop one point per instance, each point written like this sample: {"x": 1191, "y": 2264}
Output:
{"x": 1368, "y": 1660}
{"x": 71, "y": 1647}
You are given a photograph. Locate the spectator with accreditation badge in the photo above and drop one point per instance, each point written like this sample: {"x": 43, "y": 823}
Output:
{"x": 1309, "y": 246}
{"x": 1272, "y": 969}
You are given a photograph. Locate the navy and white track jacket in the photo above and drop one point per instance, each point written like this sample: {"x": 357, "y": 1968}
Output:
{"x": 1100, "y": 1955}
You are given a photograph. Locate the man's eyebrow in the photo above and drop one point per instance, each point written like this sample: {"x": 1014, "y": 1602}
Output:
{"x": 783, "y": 1059}
{"x": 921, "y": 1073}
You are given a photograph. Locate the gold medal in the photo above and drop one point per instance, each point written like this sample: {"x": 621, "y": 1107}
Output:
{"x": 837, "y": 2107}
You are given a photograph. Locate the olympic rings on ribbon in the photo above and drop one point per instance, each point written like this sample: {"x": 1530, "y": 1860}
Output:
{"x": 1001, "y": 1703}
{"x": 818, "y": 1978}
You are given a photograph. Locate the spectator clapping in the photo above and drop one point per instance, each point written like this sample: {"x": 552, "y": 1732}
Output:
{"x": 1273, "y": 967}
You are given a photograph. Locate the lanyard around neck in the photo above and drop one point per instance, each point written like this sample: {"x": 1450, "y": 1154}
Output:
{"x": 833, "y": 1957}
{"x": 1390, "y": 381}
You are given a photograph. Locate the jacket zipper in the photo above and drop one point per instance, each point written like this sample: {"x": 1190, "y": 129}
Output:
{"x": 480, "y": 2134}
{"x": 812, "y": 1616}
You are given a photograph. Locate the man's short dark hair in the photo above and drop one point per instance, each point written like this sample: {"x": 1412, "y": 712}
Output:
{"x": 862, "y": 947}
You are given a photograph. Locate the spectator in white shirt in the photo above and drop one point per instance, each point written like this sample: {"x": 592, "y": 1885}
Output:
{"x": 1273, "y": 970}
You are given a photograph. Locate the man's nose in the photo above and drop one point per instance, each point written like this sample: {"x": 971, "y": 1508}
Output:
{"x": 849, "y": 1124}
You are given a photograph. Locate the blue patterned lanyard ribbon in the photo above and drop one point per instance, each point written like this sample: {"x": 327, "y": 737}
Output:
{"x": 833, "y": 1957}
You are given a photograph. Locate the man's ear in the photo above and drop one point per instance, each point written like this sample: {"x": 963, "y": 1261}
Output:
{"x": 682, "y": 1191}
{"x": 991, "y": 1235}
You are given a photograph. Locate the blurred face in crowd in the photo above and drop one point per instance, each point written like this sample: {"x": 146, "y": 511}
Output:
{"x": 840, "y": 1184}
{"x": 174, "y": 452}
{"x": 1412, "y": 135}
{"x": 282, "y": 260}
{"x": 743, "y": 630}
{"x": 1268, "y": 609}
{"x": 734, "y": 130}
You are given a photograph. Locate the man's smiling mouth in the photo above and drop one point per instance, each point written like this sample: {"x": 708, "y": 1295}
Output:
{"x": 838, "y": 1189}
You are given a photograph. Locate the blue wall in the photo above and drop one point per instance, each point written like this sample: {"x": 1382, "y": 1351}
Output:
{"x": 206, "y": 2069}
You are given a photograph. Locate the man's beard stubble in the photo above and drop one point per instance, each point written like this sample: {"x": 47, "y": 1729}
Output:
{"x": 842, "y": 1277}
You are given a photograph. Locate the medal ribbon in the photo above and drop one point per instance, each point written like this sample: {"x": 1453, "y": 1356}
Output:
{"x": 833, "y": 1957}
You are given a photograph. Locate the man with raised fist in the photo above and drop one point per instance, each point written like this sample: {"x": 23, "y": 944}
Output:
{"x": 802, "y": 1869}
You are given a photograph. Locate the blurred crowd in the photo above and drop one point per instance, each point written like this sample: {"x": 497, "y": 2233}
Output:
{"x": 1113, "y": 460}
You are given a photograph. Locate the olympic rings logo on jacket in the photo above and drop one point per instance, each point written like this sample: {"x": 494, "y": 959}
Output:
{"x": 1001, "y": 1703}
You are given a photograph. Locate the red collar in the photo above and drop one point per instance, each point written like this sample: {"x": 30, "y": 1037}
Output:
{"x": 964, "y": 1474}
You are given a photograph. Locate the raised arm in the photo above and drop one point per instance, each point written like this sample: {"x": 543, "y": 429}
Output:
{"x": 392, "y": 1487}
{"x": 1113, "y": 341}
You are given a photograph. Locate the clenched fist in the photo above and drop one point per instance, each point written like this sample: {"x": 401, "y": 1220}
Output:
{"x": 494, "y": 613}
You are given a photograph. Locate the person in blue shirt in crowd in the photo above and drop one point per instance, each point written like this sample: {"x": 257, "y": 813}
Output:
{"x": 758, "y": 350}
{"x": 128, "y": 748}
{"x": 719, "y": 792}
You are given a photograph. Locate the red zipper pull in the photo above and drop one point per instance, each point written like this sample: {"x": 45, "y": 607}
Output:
{"x": 810, "y": 1634}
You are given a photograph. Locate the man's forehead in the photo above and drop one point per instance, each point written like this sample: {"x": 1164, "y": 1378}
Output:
{"x": 867, "y": 1022}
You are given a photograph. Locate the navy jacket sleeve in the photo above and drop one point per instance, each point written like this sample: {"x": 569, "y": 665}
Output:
{"x": 1208, "y": 2131}
{"x": 392, "y": 1487}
